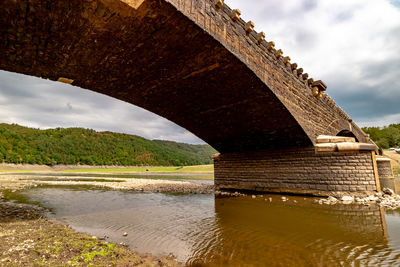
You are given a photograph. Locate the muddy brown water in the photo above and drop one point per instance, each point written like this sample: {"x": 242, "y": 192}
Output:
{"x": 202, "y": 230}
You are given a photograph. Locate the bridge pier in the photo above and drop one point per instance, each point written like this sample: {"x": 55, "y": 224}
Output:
{"x": 299, "y": 170}
{"x": 386, "y": 177}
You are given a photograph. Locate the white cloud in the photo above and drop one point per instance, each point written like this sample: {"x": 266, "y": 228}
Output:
{"x": 381, "y": 121}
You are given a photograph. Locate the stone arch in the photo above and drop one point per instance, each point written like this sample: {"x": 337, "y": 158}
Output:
{"x": 347, "y": 133}
{"x": 171, "y": 67}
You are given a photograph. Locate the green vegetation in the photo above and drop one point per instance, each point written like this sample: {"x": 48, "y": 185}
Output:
{"x": 73, "y": 146}
{"x": 173, "y": 169}
{"x": 385, "y": 137}
{"x": 18, "y": 197}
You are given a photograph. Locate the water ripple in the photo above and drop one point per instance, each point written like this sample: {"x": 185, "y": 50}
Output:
{"x": 202, "y": 230}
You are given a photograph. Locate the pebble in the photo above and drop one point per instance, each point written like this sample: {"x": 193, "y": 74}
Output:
{"x": 125, "y": 234}
{"x": 332, "y": 199}
{"x": 388, "y": 191}
{"x": 103, "y": 238}
{"x": 228, "y": 194}
{"x": 347, "y": 198}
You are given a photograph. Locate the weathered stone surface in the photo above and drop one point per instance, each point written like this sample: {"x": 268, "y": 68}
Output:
{"x": 384, "y": 167}
{"x": 344, "y": 147}
{"x": 296, "y": 170}
{"x": 386, "y": 177}
{"x": 334, "y": 139}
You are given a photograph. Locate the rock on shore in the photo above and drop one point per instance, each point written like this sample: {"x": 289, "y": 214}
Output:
{"x": 387, "y": 198}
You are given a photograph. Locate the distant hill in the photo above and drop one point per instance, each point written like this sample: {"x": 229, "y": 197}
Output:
{"x": 385, "y": 137}
{"x": 73, "y": 146}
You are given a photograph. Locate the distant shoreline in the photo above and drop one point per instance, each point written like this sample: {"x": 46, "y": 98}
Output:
{"x": 196, "y": 169}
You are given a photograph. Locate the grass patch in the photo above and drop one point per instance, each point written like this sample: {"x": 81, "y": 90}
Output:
{"x": 15, "y": 171}
{"x": 17, "y": 197}
{"x": 169, "y": 169}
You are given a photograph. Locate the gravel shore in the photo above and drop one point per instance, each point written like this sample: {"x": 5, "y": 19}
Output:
{"x": 16, "y": 182}
{"x": 387, "y": 198}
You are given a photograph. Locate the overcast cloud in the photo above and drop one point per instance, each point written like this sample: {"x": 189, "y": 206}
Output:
{"x": 40, "y": 103}
{"x": 352, "y": 45}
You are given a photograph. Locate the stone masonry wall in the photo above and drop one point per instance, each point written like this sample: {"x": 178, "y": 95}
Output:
{"x": 297, "y": 170}
{"x": 385, "y": 169}
{"x": 386, "y": 178}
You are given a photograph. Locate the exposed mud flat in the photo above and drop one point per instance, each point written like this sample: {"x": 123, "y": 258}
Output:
{"x": 16, "y": 182}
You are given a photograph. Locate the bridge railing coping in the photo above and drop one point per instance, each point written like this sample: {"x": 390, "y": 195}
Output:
{"x": 259, "y": 39}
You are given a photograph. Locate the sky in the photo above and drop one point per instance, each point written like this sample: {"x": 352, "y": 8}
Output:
{"x": 352, "y": 45}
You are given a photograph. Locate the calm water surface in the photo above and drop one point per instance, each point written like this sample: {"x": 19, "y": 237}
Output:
{"x": 202, "y": 230}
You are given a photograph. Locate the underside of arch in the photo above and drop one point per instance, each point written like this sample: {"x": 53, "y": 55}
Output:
{"x": 151, "y": 56}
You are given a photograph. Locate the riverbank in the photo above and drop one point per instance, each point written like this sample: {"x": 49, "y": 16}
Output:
{"x": 133, "y": 178}
{"x": 28, "y": 239}
{"x": 196, "y": 169}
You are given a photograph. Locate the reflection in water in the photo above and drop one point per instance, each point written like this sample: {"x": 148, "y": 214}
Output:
{"x": 204, "y": 231}
{"x": 302, "y": 234}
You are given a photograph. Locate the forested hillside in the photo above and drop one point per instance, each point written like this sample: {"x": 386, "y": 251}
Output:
{"x": 385, "y": 137}
{"x": 71, "y": 146}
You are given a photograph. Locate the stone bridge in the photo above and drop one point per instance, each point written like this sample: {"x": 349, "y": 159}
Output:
{"x": 198, "y": 64}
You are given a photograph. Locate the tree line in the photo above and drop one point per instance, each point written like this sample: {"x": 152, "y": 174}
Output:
{"x": 74, "y": 146}
{"x": 385, "y": 137}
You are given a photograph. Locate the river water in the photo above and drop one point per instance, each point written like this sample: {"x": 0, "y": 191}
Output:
{"x": 202, "y": 230}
